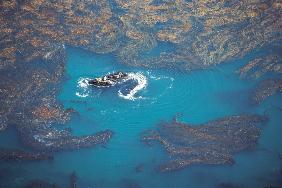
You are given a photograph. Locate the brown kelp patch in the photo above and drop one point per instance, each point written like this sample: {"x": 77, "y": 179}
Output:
{"x": 203, "y": 33}
{"x": 28, "y": 102}
{"x": 259, "y": 67}
{"x": 214, "y": 142}
{"x": 15, "y": 155}
{"x": 32, "y": 29}
{"x": 265, "y": 89}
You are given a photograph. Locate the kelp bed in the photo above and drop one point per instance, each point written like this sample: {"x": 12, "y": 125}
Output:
{"x": 203, "y": 33}
{"x": 214, "y": 142}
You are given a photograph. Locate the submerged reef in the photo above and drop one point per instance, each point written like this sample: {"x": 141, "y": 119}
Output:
{"x": 18, "y": 155}
{"x": 40, "y": 184}
{"x": 229, "y": 185}
{"x": 73, "y": 180}
{"x": 202, "y": 33}
{"x": 265, "y": 89}
{"x": 213, "y": 143}
{"x": 128, "y": 183}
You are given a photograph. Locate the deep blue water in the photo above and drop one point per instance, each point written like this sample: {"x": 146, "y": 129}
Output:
{"x": 197, "y": 96}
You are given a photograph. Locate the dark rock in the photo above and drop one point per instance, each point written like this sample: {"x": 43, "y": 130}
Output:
{"x": 108, "y": 80}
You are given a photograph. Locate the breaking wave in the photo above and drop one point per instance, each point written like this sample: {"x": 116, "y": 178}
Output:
{"x": 82, "y": 85}
{"x": 141, "y": 84}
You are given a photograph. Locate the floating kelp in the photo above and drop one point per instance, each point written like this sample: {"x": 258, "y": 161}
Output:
{"x": 3, "y": 124}
{"x": 32, "y": 29}
{"x": 266, "y": 89}
{"x": 260, "y": 66}
{"x": 50, "y": 139}
{"x": 52, "y": 114}
{"x": 214, "y": 142}
{"x": 37, "y": 183}
{"x": 15, "y": 155}
{"x": 209, "y": 31}
{"x": 28, "y": 101}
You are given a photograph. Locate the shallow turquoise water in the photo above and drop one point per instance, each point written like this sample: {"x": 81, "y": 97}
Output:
{"x": 197, "y": 97}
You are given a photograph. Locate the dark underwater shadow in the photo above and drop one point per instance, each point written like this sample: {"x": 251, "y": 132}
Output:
{"x": 239, "y": 100}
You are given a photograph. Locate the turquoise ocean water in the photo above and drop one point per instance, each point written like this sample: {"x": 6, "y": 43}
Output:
{"x": 196, "y": 97}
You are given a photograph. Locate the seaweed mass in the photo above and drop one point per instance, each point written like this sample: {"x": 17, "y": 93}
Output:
{"x": 203, "y": 34}
{"x": 211, "y": 143}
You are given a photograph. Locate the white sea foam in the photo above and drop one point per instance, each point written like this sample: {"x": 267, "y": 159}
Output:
{"x": 49, "y": 54}
{"x": 83, "y": 82}
{"x": 170, "y": 86}
{"x": 82, "y": 85}
{"x": 159, "y": 77}
{"x": 169, "y": 82}
{"x": 141, "y": 84}
{"x": 82, "y": 95}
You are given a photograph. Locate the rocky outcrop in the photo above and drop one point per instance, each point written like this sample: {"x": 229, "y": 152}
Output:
{"x": 108, "y": 80}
